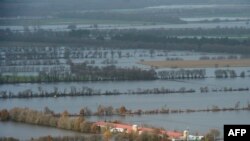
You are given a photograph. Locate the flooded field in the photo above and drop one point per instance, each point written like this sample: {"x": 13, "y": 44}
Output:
{"x": 199, "y": 122}
{"x": 136, "y": 59}
{"x": 26, "y": 131}
{"x": 130, "y": 58}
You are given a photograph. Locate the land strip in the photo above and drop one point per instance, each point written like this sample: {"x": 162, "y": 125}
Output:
{"x": 198, "y": 63}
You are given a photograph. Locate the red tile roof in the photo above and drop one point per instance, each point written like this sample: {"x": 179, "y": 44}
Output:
{"x": 128, "y": 127}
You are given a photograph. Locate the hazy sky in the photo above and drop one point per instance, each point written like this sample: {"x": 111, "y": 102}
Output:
{"x": 48, "y": 7}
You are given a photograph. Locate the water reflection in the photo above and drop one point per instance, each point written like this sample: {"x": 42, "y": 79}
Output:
{"x": 27, "y": 131}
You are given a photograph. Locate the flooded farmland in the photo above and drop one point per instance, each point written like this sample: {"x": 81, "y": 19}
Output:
{"x": 123, "y": 70}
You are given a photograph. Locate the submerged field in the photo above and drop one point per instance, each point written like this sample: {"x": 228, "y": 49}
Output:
{"x": 197, "y": 63}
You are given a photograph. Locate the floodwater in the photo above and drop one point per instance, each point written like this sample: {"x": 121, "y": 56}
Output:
{"x": 74, "y": 104}
{"x": 199, "y": 122}
{"x": 28, "y": 131}
{"x": 196, "y": 122}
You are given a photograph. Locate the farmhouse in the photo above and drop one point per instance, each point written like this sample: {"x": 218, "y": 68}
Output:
{"x": 128, "y": 128}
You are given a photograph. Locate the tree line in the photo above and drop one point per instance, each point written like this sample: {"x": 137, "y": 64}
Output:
{"x": 82, "y": 72}
{"x": 124, "y": 111}
{"x": 182, "y": 74}
{"x": 86, "y": 91}
{"x": 62, "y": 120}
{"x": 47, "y": 118}
{"x": 129, "y": 39}
{"x": 79, "y": 124}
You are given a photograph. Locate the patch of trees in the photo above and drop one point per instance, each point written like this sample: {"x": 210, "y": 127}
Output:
{"x": 4, "y": 115}
{"x": 220, "y": 73}
{"x": 212, "y": 135}
{"x": 47, "y": 118}
{"x": 182, "y": 74}
{"x": 111, "y": 73}
{"x": 225, "y": 89}
{"x": 225, "y": 73}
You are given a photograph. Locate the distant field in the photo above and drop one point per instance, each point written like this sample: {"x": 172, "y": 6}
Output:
{"x": 198, "y": 63}
{"x": 63, "y": 21}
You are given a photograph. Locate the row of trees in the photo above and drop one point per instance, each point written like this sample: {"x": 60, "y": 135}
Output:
{"x": 197, "y": 73}
{"x": 227, "y": 73}
{"x": 182, "y": 74}
{"x": 86, "y": 91}
{"x": 82, "y": 72}
{"x": 75, "y": 124}
{"x": 78, "y": 123}
{"x": 231, "y": 57}
{"x": 46, "y": 118}
{"x": 110, "y": 111}
{"x": 225, "y": 89}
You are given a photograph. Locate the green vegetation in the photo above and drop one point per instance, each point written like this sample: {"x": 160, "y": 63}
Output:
{"x": 4, "y": 115}
{"x": 78, "y": 123}
{"x": 164, "y": 39}
{"x": 212, "y": 135}
{"x": 47, "y": 118}
{"x": 82, "y": 72}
